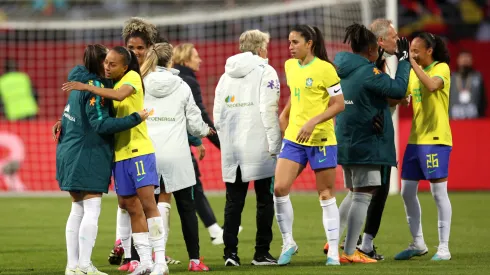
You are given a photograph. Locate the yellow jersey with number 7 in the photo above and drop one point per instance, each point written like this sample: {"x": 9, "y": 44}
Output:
{"x": 430, "y": 124}
{"x": 134, "y": 142}
{"x": 311, "y": 87}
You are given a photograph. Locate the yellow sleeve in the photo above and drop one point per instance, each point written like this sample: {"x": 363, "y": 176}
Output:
{"x": 411, "y": 78}
{"x": 287, "y": 66}
{"x": 331, "y": 77}
{"x": 133, "y": 79}
{"x": 442, "y": 70}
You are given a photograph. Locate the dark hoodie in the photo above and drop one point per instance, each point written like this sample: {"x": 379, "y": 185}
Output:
{"x": 366, "y": 90}
{"x": 85, "y": 150}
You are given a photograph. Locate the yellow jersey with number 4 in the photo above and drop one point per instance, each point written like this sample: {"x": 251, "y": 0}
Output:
{"x": 430, "y": 124}
{"x": 311, "y": 87}
{"x": 134, "y": 142}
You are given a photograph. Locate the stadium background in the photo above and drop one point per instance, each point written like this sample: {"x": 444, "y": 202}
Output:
{"x": 47, "y": 53}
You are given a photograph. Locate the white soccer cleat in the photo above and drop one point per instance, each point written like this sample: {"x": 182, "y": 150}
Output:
{"x": 160, "y": 269}
{"x": 71, "y": 271}
{"x": 442, "y": 254}
{"x": 219, "y": 239}
{"x": 90, "y": 270}
{"x": 142, "y": 270}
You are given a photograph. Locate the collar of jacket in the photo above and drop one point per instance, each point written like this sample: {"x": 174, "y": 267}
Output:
{"x": 163, "y": 69}
{"x": 185, "y": 70}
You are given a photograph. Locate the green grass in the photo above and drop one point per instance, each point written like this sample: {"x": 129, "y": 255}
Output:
{"x": 32, "y": 239}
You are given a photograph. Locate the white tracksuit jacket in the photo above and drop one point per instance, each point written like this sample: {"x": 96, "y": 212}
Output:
{"x": 246, "y": 119}
{"x": 173, "y": 112}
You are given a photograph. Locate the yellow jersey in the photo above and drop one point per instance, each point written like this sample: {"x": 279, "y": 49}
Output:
{"x": 430, "y": 124}
{"x": 134, "y": 142}
{"x": 309, "y": 97}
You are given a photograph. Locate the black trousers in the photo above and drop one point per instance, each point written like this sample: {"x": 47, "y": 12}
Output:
{"x": 188, "y": 219}
{"x": 203, "y": 207}
{"x": 377, "y": 206}
{"x": 235, "y": 201}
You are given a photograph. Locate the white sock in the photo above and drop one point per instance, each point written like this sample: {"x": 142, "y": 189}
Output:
{"x": 88, "y": 230}
{"x": 157, "y": 238}
{"x": 357, "y": 217}
{"x": 367, "y": 242}
{"x": 413, "y": 211}
{"x": 344, "y": 212}
{"x": 72, "y": 230}
{"x": 215, "y": 230}
{"x": 444, "y": 212}
{"x": 331, "y": 225}
{"x": 142, "y": 245}
{"x": 284, "y": 217}
{"x": 164, "y": 209}
{"x": 124, "y": 230}
{"x": 196, "y": 261}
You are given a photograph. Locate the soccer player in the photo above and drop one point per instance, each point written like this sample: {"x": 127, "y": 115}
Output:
{"x": 316, "y": 98}
{"x": 186, "y": 59}
{"x": 245, "y": 113}
{"x": 84, "y": 158}
{"x": 364, "y": 152}
{"x": 174, "y": 112}
{"x": 430, "y": 142}
{"x": 135, "y": 174}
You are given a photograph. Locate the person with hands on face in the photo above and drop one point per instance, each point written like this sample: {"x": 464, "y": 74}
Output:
{"x": 364, "y": 152}
{"x": 316, "y": 98}
{"x": 245, "y": 116}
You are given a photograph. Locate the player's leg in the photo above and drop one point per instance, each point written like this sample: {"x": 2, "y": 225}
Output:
{"x": 72, "y": 231}
{"x": 364, "y": 179}
{"x": 437, "y": 172}
{"x": 291, "y": 162}
{"x": 374, "y": 214}
{"x": 204, "y": 209}
{"x": 186, "y": 207}
{"x": 411, "y": 174}
{"x": 123, "y": 232}
{"x": 236, "y": 192}
{"x": 323, "y": 160}
{"x": 264, "y": 217}
{"x": 88, "y": 232}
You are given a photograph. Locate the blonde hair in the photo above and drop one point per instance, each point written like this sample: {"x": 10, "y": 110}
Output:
{"x": 158, "y": 55}
{"x": 253, "y": 41}
{"x": 182, "y": 53}
{"x": 380, "y": 27}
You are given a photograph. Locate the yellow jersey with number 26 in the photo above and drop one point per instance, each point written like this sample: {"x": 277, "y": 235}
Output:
{"x": 311, "y": 87}
{"x": 430, "y": 124}
{"x": 134, "y": 142}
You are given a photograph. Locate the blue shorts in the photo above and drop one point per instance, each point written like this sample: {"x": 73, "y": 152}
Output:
{"x": 426, "y": 162}
{"x": 131, "y": 174}
{"x": 319, "y": 157}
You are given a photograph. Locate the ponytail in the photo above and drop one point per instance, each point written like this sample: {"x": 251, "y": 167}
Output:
{"x": 315, "y": 35}
{"x": 158, "y": 55}
{"x": 440, "y": 51}
{"x": 360, "y": 38}
{"x": 130, "y": 60}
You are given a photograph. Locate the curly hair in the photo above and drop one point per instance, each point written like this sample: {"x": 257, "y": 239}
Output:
{"x": 138, "y": 27}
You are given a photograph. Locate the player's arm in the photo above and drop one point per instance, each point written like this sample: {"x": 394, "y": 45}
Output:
{"x": 335, "y": 106}
{"x": 269, "y": 94}
{"x": 194, "y": 122}
{"x": 383, "y": 85}
{"x": 194, "y": 141}
{"x": 284, "y": 116}
{"x": 431, "y": 83}
{"x": 120, "y": 94}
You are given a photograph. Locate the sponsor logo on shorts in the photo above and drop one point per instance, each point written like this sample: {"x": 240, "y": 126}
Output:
{"x": 322, "y": 160}
{"x": 140, "y": 179}
{"x": 432, "y": 171}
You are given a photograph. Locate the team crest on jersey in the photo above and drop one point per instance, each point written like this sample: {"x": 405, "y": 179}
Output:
{"x": 309, "y": 82}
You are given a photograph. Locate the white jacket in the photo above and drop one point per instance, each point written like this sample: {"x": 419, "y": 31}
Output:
{"x": 173, "y": 112}
{"x": 246, "y": 119}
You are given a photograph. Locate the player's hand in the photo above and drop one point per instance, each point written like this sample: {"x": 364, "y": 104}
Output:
{"x": 380, "y": 62}
{"x": 211, "y": 132}
{"x": 378, "y": 123}
{"x": 74, "y": 85}
{"x": 11, "y": 168}
{"x": 403, "y": 49}
{"x": 305, "y": 132}
{"x": 406, "y": 101}
{"x": 55, "y": 129}
{"x": 144, "y": 114}
{"x": 202, "y": 151}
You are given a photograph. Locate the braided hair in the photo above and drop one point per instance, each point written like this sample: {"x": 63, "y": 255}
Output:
{"x": 360, "y": 38}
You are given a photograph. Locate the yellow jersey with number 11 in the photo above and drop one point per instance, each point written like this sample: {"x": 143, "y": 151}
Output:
{"x": 311, "y": 87}
{"x": 430, "y": 124}
{"x": 134, "y": 142}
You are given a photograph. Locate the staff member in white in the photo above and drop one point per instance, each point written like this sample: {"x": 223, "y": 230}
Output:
{"x": 173, "y": 112}
{"x": 245, "y": 116}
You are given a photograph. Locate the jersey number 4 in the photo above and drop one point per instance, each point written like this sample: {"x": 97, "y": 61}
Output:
{"x": 297, "y": 92}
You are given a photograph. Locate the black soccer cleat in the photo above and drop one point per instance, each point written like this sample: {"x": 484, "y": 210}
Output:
{"x": 266, "y": 259}
{"x": 232, "y": 260}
